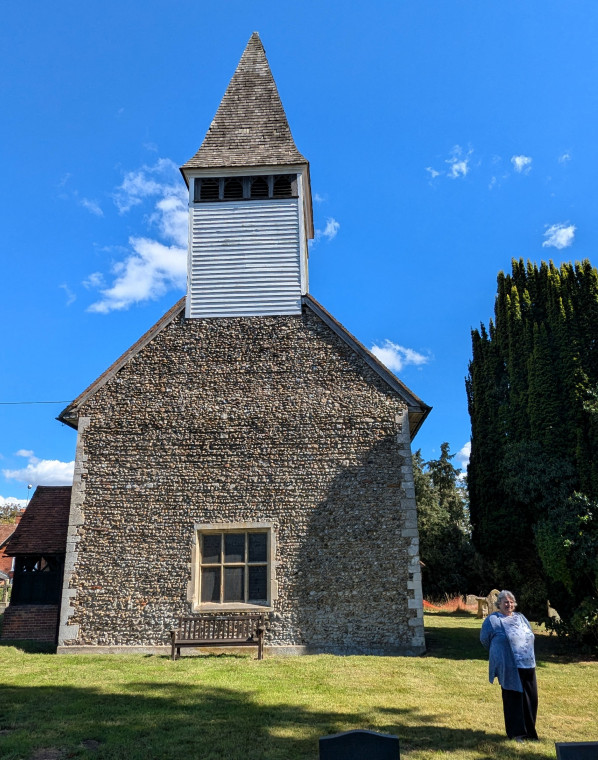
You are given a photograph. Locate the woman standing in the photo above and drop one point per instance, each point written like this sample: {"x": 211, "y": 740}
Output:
{"x": 510, "y": 639}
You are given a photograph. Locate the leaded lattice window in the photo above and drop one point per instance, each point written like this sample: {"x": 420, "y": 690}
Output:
{"x": 234, "y": 567}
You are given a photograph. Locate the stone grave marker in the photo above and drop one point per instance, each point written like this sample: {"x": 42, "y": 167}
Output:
{"x": 576, "y": 750}
{"x": 359, "y": 744}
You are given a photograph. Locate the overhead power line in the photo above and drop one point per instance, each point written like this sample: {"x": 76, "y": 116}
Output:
{"x": 21, "y": 403}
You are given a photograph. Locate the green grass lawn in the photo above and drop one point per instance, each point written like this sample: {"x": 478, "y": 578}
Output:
{"x": 228, "y": 707}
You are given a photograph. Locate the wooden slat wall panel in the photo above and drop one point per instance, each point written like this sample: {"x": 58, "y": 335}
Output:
{"x": 245, "y": 259}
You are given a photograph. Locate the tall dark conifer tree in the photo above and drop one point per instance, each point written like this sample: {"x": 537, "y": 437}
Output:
{"x": 530, "y": 387}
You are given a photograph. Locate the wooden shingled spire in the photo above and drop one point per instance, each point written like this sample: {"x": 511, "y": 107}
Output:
{"x": 250, "y": 127}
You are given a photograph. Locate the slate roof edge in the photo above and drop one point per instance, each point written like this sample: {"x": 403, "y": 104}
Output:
{"x": 418, "y": 409}
{"x": 234, "y": 171}
{"x": 69, "y": 414}
{"x": 6, "y": 539}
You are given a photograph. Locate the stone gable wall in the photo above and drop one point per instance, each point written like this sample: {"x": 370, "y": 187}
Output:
{"x": 261, "y": 419}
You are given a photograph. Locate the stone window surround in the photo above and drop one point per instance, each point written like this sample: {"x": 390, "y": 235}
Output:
{"x": 194, "y": 589}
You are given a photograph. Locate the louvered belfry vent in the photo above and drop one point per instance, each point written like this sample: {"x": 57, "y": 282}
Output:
{"x": 233, "y": 189}
{"x": 207, "y": 190}
{"x": 259, "y": 187}
{"x": 283, "y": 186}
{"x": 210, "y": 189}
{"x": 250, "y": 204}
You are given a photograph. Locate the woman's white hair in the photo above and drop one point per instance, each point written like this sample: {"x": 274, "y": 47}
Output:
{"x": 504, "y": 594}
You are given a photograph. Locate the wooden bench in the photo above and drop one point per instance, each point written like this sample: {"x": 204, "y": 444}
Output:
{"x": 217, "y": 630}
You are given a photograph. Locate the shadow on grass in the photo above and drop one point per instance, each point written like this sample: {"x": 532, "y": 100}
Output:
{"x": 29, "y": 646}
{"x": 554, "y": 649}
{"x": 455, "y": 643}
{"x": 462, "y": 642}
{"x": 178, "y": 720}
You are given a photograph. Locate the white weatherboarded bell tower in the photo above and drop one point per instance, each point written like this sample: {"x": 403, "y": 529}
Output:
{"x": 250, "y": 212}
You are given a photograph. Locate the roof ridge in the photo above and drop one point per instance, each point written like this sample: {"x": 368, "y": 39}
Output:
{"x": 250, "y": 127}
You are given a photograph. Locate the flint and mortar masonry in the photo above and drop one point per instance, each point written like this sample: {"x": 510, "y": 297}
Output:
{"x": 269, "y": 420}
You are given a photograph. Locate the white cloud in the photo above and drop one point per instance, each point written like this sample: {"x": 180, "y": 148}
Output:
{"x": 70, "y": 296}
{"x": 64, "y": 179}
{"x": 172, "y": 216}
{"x": 522, "y": 164}
{"x": 92, "y": 206}
{"x": 318, "y": 198}
{"x": 462, "y": 456}
{"x": 95, "y": 280}
{"x": 458, "y": 169}
{"x": 565, "y": 158}
{"x": 27, "y": 453}
{"x": 151, "y": 267}
{"x": 332, "y": 227}
{"x": 458, "y": 162}
{"x": 397, "y": 357}
{"x": 12, "y": 501}
{"x": 42, "y": 472}
{"x": 146, "y": 274}
{"x": 329, "y": 232}
{"x": 559, "y": 236}
{"x": 162, "y": 179}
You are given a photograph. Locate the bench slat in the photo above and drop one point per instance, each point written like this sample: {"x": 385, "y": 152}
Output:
{"x": 219, "y": 630}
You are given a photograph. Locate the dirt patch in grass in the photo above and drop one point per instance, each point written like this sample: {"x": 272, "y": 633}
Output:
{"x": 47, "y": 754}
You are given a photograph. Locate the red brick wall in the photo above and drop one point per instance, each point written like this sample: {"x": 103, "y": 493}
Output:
{"x": 5, "y": 563}
{"x": 35, "y": 622}
{"x": 6, "y": 530}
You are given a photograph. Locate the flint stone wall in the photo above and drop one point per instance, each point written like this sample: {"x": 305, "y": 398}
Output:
{"x": 261, "y": 419}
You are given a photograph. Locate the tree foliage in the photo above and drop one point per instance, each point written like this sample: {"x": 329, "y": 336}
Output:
{"x": 9, "y": 512}
{"x": 533, "y": 472}
{"x": 442, "y": 506}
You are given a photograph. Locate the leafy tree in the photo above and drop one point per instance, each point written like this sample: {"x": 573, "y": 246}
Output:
{"x": 9, "y": 512}
{"x": 567, "y": 540}
{"x": 446, "y": 552}
{"x": 533, "y": 473}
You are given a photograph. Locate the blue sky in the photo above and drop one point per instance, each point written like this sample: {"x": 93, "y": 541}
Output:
{"x": 445, "y": 137}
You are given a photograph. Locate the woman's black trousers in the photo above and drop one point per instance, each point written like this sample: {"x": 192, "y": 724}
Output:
{"x": 521, "y": 708}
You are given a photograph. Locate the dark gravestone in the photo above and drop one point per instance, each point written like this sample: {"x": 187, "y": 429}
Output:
{"x": 359, "y": 745}
{"x": 576, "y": 750}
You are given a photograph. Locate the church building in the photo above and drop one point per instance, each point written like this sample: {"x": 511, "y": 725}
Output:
{"x": 247, "y": 453}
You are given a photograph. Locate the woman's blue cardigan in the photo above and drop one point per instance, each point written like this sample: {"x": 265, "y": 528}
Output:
{"x": 502, "y": 660}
